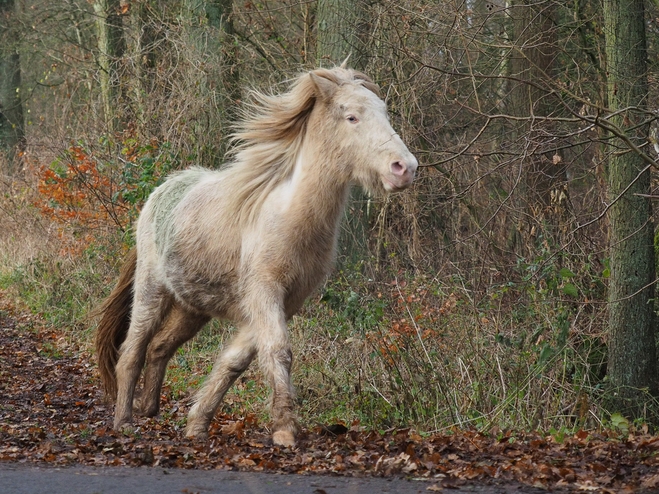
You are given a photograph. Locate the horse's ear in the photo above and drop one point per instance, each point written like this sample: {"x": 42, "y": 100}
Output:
{"x": 325, "y": 88}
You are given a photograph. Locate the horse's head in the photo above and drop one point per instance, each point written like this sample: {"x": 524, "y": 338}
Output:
{"x": 375, "y": 155}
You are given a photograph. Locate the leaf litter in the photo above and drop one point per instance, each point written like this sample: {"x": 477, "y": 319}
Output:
{"x": 52, "y": 411}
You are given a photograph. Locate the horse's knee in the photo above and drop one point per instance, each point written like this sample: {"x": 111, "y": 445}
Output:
{"x": 128, "y": 367}
{"x": 277, "y": 364}
{"x": 284, "y": 357}
{"x": 236, "y": 367}
{"x": 160, "y": 350}
{"x": 236, "y": 360}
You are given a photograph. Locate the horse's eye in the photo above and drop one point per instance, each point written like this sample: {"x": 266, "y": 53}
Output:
{"x": 352, "y": 119}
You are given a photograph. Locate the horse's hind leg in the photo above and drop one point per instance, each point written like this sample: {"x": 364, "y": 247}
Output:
{"x": 151, "y": 305}
{"x": 180, "y": 326}
{"x": 231, "y": 363}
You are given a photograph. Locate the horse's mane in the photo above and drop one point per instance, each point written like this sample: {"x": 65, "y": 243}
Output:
{"x": 269, "y": 137}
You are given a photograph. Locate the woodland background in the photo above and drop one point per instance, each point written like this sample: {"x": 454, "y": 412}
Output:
{"x": 511, "y": 287}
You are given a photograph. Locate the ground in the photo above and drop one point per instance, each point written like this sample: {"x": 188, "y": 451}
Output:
{"x": 52, "y": 413}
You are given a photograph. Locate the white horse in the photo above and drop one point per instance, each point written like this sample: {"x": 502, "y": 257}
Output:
{"x": 248, "y": 243}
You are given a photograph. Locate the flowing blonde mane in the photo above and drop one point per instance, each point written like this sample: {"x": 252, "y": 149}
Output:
{"x": 270, "y": 135}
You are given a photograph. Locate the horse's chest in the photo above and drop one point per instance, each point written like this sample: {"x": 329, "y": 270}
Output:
{"x": 304, "y": 275}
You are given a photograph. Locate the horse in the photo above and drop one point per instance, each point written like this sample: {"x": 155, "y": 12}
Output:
{"x": 247, "y": 243}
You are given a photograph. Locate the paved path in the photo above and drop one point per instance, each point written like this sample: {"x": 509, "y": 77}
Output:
{"x": 22, "y": 479}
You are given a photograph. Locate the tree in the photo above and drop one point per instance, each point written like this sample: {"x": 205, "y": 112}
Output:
{"x": 532, "y": 62}
{"x": 340, "y": 26}
{"x": 135, "y": 48}
{"x": 532, "y": 69}
{"x": 211, "y": 32}
{"x": 340, "y": 32}
{"x": 108, "y": 25}
{"x": 632, "y": 353}
{"x": 221, "y": 44}
{"x": 12, "y": 130}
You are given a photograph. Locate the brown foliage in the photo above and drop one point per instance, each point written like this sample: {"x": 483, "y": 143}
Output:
{"x": 59, "y": 418}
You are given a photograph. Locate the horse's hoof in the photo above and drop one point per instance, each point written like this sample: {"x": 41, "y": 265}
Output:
{"x": 125, "y": 427}
{"x": 198, "y": 433}
{"x": 283, "y": 438}
{"x": 199, "y": 436}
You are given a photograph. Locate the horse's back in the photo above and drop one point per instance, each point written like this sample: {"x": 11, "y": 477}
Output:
{"x": 158, "y": 216}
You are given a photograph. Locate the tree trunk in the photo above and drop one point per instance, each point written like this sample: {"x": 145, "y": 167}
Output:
{"x": 532, "y": 64}
{"x": 211, "y": 32}
{"x": 108, "y": 28}
{"x": 340, "y": 28}
{"x": 632, "y": 352}
{"x": 221, "y": 41}
{"x": 12, "y": 129}
{"x": 134, "y": 48}
{"x": 340, "y": 25}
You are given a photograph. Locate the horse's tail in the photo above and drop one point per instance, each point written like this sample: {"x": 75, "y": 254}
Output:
{"x": 113, "y": 326}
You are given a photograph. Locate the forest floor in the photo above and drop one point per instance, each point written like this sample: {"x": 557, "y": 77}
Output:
{"x": 52, "y": 413}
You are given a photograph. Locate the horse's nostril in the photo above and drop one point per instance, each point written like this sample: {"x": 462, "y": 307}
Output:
{"x": 397, "y": 168}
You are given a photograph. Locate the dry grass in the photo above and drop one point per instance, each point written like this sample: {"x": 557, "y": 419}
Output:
{"x": 392, "y": 350}
{"x": 24, "y": 235}
{"x": 428, "y": 354}
{"x": 39, "y": 268}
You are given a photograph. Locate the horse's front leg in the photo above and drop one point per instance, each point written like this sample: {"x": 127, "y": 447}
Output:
{"x": 266, "y": 333}
{"x": 276, "y": 359}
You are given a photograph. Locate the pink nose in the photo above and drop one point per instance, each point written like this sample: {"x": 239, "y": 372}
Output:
{"x": 402, "y": 168}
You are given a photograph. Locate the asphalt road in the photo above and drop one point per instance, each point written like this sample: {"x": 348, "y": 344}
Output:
{"x": 22, "y": 479}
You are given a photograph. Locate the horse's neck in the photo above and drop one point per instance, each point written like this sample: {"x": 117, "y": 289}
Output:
{"x": 318, "y": 189}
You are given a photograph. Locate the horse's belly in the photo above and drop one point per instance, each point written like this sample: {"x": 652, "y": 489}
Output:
{"x": 214, "y": 294}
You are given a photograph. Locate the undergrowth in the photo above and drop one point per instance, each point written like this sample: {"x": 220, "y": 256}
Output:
{"x": 388, "y": 349}
{"x": 431, "y": 352}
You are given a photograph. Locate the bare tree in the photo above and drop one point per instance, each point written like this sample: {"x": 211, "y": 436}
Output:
{"x": 340, "y": 31}
{"x": 108, "y": 25}
{"x": 12, "y": 130}
{"x": 340, "y": 25}
{"x": 532, "y": 63}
